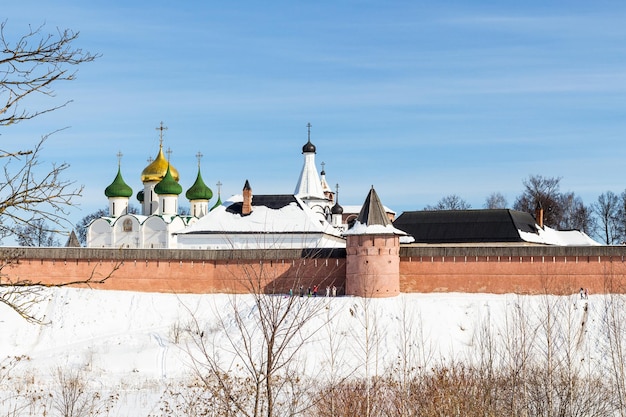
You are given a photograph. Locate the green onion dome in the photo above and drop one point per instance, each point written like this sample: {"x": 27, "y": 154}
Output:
{"x": 168, "y": 185}
{"x": 118, "y": 187}
{"x": 140, "y": 196}
{"x": 217, "y": 203}
{"x": 199, "y": 190}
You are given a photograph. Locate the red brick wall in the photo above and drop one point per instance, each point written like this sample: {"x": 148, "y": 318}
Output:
{"x": 422, "y": 269}
{"x": 525, "y": 272}
{"x": 183, "y": 275}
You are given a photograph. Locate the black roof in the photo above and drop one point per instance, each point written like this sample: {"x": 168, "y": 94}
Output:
{"x": 466, "y": 226}
{"x": 273, "y": 201}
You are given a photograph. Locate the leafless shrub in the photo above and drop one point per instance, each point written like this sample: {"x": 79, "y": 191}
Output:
{"x": 73, "y": 397}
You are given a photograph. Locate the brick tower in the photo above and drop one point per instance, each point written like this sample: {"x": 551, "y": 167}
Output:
{"x": 372, "y": 252}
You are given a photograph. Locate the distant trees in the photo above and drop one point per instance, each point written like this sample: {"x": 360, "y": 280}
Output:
{"x": 605, "y": 219}
{"x": 36, "y": 233}
{"x": 606, "y": 208}
{"x": 496, "y": 201}
{"x": 450, "y": 202}
{"x": 544, "y": 191}
{"x": 83, "y": 224}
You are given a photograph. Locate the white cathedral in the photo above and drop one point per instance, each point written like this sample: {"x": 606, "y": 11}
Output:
{"x": 311, "y": 217}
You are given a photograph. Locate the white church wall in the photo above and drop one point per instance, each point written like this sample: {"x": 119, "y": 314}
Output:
{"x": 99, "y": 234}
{"x": 127, "y": 232}
{"x": 154, "y": 233}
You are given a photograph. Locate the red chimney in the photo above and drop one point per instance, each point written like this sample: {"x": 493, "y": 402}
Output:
{"x": 246, "y": 207}
{"x": 539, "y": 214}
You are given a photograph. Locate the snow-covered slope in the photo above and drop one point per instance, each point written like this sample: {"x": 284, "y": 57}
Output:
{"x": 134, "y": 344}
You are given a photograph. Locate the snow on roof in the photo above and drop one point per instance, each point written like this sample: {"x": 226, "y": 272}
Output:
{"x": 377, "y": 229}
{"x": 293, "y": 217}
{"x": 548, "y": 236}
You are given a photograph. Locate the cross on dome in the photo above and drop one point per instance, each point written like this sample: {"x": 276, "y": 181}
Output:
{"x": 161, "y": 128}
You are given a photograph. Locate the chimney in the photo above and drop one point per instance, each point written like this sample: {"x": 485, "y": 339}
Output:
{"x": 539, "y": 214}
{"x": 246, "y": 207}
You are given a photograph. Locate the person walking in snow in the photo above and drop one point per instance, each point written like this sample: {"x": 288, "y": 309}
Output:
{"x": 586, "y": 294}
{"x": 582, "y": 293}
{"x": 315, "y": 291}
{"x": 327, "y": 291}
{"x": 301, "y": 291}
{"x": 334, "y": 291}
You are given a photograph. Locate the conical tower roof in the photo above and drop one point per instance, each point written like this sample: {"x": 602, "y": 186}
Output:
{"x": 157, "y": 169}
{"x": 199, "y": 190}
{"x": 373, "y": 218}
{"x": 118, "y": 187}
{"x": 372, "y": 213}
{"x": 168, "y": 185}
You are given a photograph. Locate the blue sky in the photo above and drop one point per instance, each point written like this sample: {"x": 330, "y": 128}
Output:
{"x": 420, "y": 99}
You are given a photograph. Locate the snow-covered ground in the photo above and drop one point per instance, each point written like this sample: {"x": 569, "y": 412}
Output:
{"x": 135, "y": 345}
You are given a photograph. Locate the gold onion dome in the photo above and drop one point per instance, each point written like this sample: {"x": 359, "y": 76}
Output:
{"x": 157, "y": 169}
{"x": 168, "y": 185}
{"x": 118, "y": 187}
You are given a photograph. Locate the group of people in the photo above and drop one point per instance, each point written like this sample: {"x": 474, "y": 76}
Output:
{"x": 584, "y": 294}
{"x": 312, "y": 292}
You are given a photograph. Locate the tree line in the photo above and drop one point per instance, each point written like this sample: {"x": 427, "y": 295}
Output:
{"x": 603, "y": 220}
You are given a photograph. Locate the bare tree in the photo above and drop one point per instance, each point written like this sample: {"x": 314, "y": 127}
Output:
{"x": 621, "y": 217}
{"x": 496, "y": 201}
{"x": 450, "y": 202}
{"x": 73, "y": 396}
{"x": 253, "y": 367}
{"x": 606, "y": 209}
{"x": 575, "y": 215}
{"x": 36, "y": 233}
{"x": 614, "y": 319}
{"x": 543, "y": 190}
{"x": 33, "y": 65}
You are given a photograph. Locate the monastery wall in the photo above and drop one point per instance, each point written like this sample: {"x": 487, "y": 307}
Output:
{"x": 513, "y": 269}
{"x": 179, "y": 271}
{"x": 506, "y": 269}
